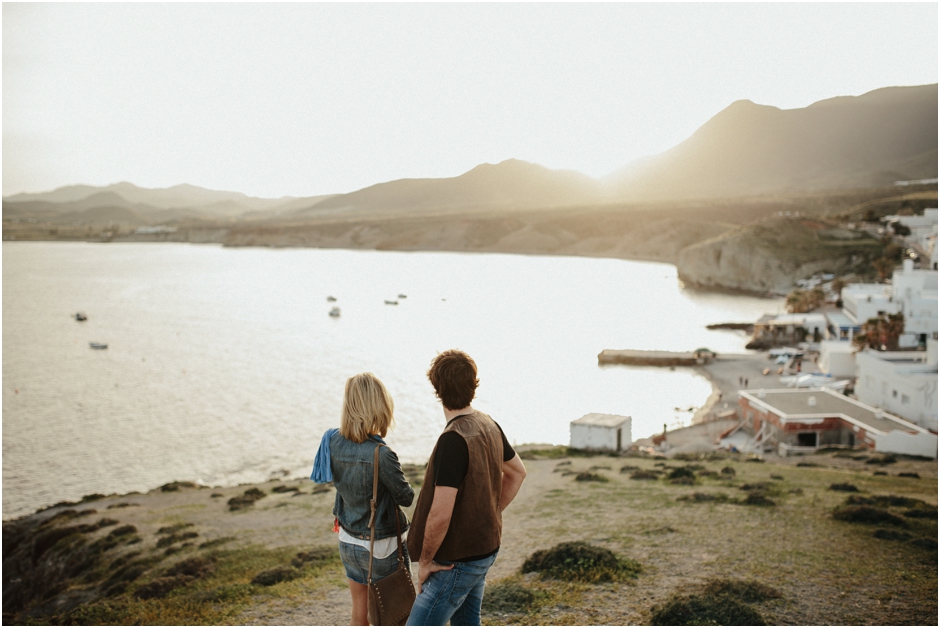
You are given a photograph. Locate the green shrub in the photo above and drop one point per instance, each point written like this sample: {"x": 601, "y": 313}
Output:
{"x": 582, "y": 562}
{"x": 885, "y": 501}
{"x": 758, "y": 499}
{"x": 160, "y": 587}
{"x": 587, "y": 476}
{"x": 925, "y": 543}
{"x": 509, "y": 596}
{"x": 281, "y": 573}
{"x": 704, "y": 497}
{"x": 892, "y": 535}
{"x": 921, "y": 513}
{"x": 744, "y": 590}
{"x": 246, "y": 499}
{"x": 729, "y": 471}
{"x": 704, "y": 610}
{"x": 866, "y": 514}
{"x": 882, "y": 460}
{"x": 176, "y": 527}
{"x": 641, "y": 474}
{"x": 845, "y": 487}
{"x": 682, "y": 472}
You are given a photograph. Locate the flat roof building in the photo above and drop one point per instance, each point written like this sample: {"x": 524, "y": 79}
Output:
{"x": 601, "y": 432}
{"x": 802, "y": 421}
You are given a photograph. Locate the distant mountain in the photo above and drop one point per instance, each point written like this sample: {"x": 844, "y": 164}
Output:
{"x": 874, "y": 139}
{"x": 511, "y": 183}
{"x": 178, "y": 196}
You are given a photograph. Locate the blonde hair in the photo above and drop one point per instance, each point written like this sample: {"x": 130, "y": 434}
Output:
{"x": 367, "y": 408}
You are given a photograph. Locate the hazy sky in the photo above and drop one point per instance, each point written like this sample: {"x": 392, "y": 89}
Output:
{"x": 304, "y": 99}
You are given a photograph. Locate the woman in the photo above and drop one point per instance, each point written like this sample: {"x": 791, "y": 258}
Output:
{"x": 346, "y": 457}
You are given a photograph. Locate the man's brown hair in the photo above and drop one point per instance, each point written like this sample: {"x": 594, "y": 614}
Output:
{"x": 453, "y": 374}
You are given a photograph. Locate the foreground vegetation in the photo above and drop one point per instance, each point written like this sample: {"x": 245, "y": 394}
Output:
{"x": 836, "y": 538}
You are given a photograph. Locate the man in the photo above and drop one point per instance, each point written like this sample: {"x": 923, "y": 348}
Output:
{"x": 472, "y": 476}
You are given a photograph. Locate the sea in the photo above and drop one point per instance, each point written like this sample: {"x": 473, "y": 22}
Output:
{"x": 223, "y": 365}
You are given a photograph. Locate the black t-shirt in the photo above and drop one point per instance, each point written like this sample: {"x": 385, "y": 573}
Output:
{"x": 452, "y": 457}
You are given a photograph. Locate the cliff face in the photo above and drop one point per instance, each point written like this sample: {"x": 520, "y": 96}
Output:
{"x": 773, "y": 255}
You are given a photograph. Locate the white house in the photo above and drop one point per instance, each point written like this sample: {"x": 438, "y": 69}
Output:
{"x": 915, "y": 293}
{"x": 861, "y": 301}
{"x": 901, "y": 382}
{"x": 837, "y": 358}
{"x": 608, "y": 432}
{"x": 920, "y": 226}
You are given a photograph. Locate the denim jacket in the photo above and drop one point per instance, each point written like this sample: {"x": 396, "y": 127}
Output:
{"x": 351, "y": 464}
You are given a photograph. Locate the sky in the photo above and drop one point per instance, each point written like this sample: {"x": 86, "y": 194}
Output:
{"x": 303, "y": 99}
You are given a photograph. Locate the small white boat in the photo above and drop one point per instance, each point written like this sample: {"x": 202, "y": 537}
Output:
{"x": 387, "y": 302}
{"x": 98, "y": 345}
{"x": 402, "y": 296}
{"x": 335, "y": 312}
{"x": 331, "y": 299}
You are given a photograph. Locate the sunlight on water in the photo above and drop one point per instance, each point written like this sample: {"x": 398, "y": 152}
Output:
{"x": 224, "y": 367}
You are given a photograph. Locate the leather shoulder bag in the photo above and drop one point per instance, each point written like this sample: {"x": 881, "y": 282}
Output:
{"x": 391, "y": 598}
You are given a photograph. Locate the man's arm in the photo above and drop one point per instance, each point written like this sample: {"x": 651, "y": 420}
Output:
{"x": 513, "y": 476}
{"x": 442, "y": 509}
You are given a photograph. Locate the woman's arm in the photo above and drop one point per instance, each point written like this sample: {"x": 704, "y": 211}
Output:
{"x": 393, "y": 478}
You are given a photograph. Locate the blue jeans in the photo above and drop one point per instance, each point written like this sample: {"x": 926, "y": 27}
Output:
{"x": 454, "y": 595}
{"x": 356, "y": 561}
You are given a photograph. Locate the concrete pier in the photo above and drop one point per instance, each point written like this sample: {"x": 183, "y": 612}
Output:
{"x": 654, "y": 358}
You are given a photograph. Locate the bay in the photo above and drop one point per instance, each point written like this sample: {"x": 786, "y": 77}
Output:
{"x": 224, "y": 367}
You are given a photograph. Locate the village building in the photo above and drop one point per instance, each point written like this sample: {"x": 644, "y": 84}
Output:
{"x": 862, "y": 301}
{"x": 836, "y": 358}
{"x": 915, "y": 292}
{"x": 802, "y": 421}
{"x": 601, "y": 432}
{"x": 901, "y": 382}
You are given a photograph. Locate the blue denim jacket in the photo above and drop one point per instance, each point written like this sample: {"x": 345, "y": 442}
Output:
{"x": 351, "y": 464}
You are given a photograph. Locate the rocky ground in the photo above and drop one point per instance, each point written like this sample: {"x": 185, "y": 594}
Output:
{"x": 181, "y": 555}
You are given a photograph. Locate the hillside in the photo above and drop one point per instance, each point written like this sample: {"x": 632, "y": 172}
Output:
{"x": 182, "y": 555}
{"x": 870, "y": 140}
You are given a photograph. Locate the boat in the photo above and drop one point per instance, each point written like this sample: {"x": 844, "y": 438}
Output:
{"x": 402, "y": 296}
{"x": 80, "y": 317}
{"x": 387, "y": 302}
{"x": 334, "y": 312}
{"x": 331, "y": 298}
{"x": 98, "y": 345}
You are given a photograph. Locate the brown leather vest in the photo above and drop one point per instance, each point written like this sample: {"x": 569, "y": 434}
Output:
{"x": 476, "y": 525}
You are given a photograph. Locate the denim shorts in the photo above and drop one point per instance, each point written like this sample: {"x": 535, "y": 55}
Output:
{"x": 356, "y": 561}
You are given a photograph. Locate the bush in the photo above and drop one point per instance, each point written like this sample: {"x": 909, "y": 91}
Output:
{"x": 910, "y": 474}
{"x": 921, "y": 513}
{"x": 891, "y": 535}
{"x": 682, "y": 472}
{"x": 582, "y": 562}
{"x": 195, "y": 567}
{"x": 884, "y": 501}
{"x": 509, "y": 597}
{"x": 587, "y": 476}
{"x": 641, "y": 474}
{"x": 284, "y": 489}
{"x": 176, "y": 538}
{"x": 160, "y": 587}
{"x": 758, "y": 499}
{"x": 702, "y": 610}
{"x": 248, "y": 498}
{"x": 846, "y": 487}
{"x": 704, "y": 497}
{"x": 320, "y": 554}
{"x": 629, "y": 467}
{"x": 281, "y": 573}
{"x": 684, "y": 481}
{"x": 867, "y": 514}
{"x": 808, "y": 464}
{"x": 744, "y": 590}
{"x": 704, "y": 473}
{"x": 882, "y": 460}
{"x": 729, "y": 471}
{"x": 925, "y": 543}
{"x": 175, "y": 486}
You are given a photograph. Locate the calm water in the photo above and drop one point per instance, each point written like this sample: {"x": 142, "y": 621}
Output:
{"x": 223, "y": 366}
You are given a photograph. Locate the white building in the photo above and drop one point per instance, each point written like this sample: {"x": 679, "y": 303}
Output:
{"x": 920, "y": 226}
{"x": 837, "y": 358}
{"x": 915, "y": 293}
{"x": 603, "y": 432}
{"x": 861, "y": 301}
{"x": 901, "y": 382}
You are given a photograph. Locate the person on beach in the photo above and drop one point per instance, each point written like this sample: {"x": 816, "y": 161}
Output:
{"x": 346, "y": 458}
{"x": 472, "y": 476}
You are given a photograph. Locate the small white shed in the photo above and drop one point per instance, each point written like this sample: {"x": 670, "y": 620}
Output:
{"x": 609, "y": 432}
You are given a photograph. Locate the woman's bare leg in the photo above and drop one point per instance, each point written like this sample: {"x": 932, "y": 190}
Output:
{"x": 360, "y": 604}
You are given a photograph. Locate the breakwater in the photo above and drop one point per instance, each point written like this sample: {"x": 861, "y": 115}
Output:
{"x": 654, "y": 358}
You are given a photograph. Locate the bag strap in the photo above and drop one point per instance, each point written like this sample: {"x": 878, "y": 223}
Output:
{"x": 372, "y": 505}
